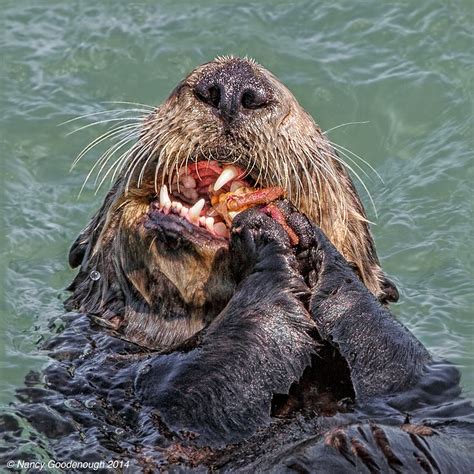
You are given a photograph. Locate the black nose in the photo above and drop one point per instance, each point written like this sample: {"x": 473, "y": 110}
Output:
{"x": 233, "y": 89}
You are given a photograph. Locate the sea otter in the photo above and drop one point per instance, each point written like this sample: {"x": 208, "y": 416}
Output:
{"x": 304, "y": 370}
{"x": 268, "y": 351}
{"x": 229, "y": 125}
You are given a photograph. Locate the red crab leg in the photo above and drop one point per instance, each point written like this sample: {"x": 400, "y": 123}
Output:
{"x": 276, "y": 214}
{"x": 261, "y": 196}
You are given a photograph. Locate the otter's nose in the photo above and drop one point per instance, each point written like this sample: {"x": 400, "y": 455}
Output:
{"x": 232, "y": 90}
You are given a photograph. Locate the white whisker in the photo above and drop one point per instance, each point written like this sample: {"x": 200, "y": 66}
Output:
{"x": 335, "y": 157}
{"x": 107, "y": 135}
{"x": 140, "y": 152}
{"x": 111, "y": 152}
{"x": 102, "y": 112}
{"x": 336, "y": 145}
{"x": 150, "y": 107}
{"x": 116, "y": 165}
{"x": 89, "y": 174}
{"x": 343, "y": 125}
{"x": 343, "y": 153}
{"x": 130, "y": 119}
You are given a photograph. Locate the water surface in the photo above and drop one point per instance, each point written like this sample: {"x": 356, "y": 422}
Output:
{"x": 403, "y": 67}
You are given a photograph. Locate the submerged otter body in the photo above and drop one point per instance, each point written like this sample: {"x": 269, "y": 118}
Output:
{"x": 158, "y": 286}
{"x": 304, "y": 370}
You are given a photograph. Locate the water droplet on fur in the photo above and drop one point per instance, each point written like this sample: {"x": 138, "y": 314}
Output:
{"x": 94, "y": 275}
{"x": 72, "y": 403}
{"x": 119, "y": 431}
{"x": 145, "y": 369}
{"x": 90, "y": 403}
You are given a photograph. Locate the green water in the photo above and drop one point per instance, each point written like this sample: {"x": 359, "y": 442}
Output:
{"x": 405, "y": 67}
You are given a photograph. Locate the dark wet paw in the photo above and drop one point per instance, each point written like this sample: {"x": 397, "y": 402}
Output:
{"x": 310, "y": 243}
{"x": 368, "y": 445}
{"x": 291, "y": 234}
{"x": 254, "y": 228}
{"x": 302, "y": 233}
{"x": 257, "y": 237}
{"x": 390, "y": 292}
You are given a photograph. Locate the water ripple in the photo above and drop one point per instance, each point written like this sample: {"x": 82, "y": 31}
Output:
{"x": 404, "y": 67}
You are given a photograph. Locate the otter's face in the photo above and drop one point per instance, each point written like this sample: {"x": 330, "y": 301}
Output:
{"x": 229, "y": 127}
{"x": 233, "y": 111}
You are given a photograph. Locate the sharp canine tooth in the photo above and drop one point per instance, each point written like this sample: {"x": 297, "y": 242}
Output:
{"x": 194, "y": 211}
{"x": 164, "y": 196}
{"x": 228, "y": 174}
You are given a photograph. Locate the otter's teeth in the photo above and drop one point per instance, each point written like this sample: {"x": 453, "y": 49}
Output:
{"x": 167, "y": 208}
{"x": 164, "y": 197}
{"x": 228, "y": 174}
{"x": 184, "y": 211}
{"x": 210, "y": 224}
{"x": 176, "y": 207}
{"x": 221, "y": 229}
{"x": 195, "y": 211}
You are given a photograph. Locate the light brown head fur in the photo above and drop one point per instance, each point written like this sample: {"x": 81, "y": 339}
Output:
{"x": 270, "y": 136}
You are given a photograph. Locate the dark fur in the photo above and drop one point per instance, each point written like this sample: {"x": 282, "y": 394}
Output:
{"x": 260, "y": 375}
{"x": 259, "y": 345}
{"x": 383, "y": 356}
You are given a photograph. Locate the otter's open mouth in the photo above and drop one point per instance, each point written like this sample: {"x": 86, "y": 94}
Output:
{"x": 208, "y": 195}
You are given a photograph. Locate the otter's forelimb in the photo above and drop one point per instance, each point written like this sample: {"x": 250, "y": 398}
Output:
{"x": 258, "y": 346}
{"x": 383, "y": 355}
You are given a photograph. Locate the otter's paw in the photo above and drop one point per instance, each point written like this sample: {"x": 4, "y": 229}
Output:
{"x": 311, "y": 246}
{"x": 258, "y": 239}
{"x": 254, "y": 225}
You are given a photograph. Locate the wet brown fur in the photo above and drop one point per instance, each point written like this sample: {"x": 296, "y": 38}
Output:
{"x": 163, "y": 297}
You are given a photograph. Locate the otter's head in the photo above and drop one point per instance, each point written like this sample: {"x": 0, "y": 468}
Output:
{"x": 155, "y": 259}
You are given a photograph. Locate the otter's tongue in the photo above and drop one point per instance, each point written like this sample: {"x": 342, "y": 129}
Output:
{"x": 210, "y": 196}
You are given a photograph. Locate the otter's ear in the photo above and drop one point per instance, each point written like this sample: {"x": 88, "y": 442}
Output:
{"x": 389, "y": 293}
{"x": 86, "y": 239}
{"x": 79, "y": 247}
